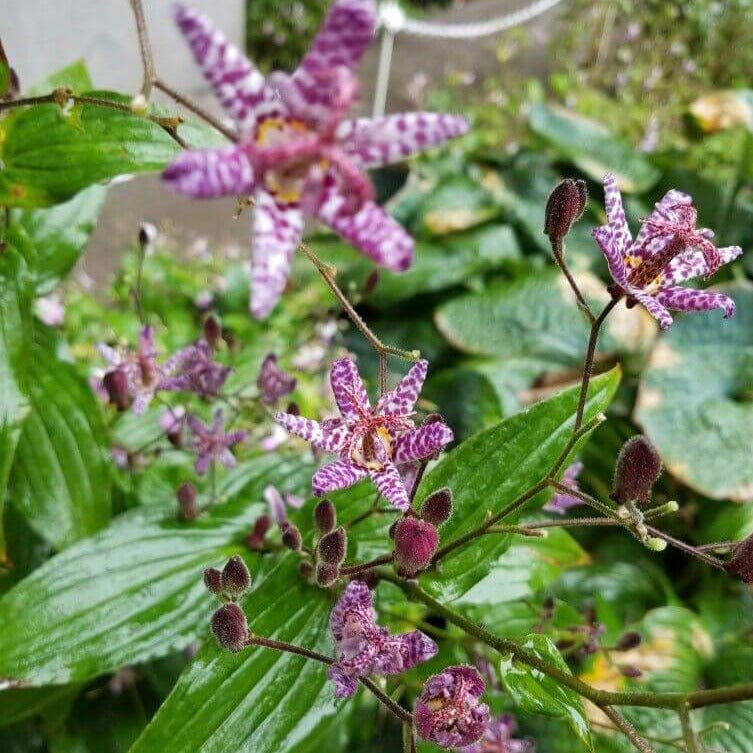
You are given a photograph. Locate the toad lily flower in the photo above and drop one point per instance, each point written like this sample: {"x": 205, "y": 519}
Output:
{"x": 363, "y": 647}
{"x": 297, "y": 154}
{"x": 212, "y": 443}
{"x": 370, "y": 441}
{"x": 668, "y": 249}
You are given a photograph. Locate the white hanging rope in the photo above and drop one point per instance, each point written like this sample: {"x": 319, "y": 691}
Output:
{"x": 393, "y": 19}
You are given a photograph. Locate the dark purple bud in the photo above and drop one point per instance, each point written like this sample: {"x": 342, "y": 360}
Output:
{"x": 371, "y": 283}
{"x": 291, "y": 536}
{"x": 415, "y": 544}
{"x": 294, "y": 409}
{"x": 116, "y": 384}
{"x": 325, "y": 516}
{"x": 212, "y": 331}
{"x": 332, "y": 547}
{"x": 547, "y": 608}
{"x": 186, "y": 495}
{"x": 630, "y": 670}
{"x": 637, "y": 469}
{"x": 147, "y": 234}
{"x": 230, "y": 627}
{"x": 255, "y": 539}
{"x": 437, "y": 507}
{"x": 213, "y": 580}
{"x": 235, "y": 578}
{"x": 306, "y": 569}
{"x": 326, "y": 574}
{"x": 273, "y": 382}
{"x": 628, "y": 641}
{"x": 565, "y": 205}
{"x": 741, "y": 561}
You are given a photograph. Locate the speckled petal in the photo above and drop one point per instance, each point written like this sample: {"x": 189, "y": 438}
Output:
{"x": 348, "y": 389}
{"x": 692, "y": 264}
{"x": 662, "y": 212}
{"x": 370, "y": 229}
{"x": 240, "y": 88}
{"x": 305, "y": 428}
{"x": 342, "y": 39}
{"x": 613, "y": 255}
{"x": 655, "y": 308}
{"x": 334, "y": 434}
{"x": 337, "y": 475}
{"x": 390, "y": 486}
{"x": 616, "y": 215}
{"x": 382, "y": 141}
{"x": 210, "y": 173}
{"x": 415, "y": 648}
{"x": 356, "y": 597}
{"x": 687, "y": 299}
{"x": 402, "y": 399}
{"x": 277, "y": 231}
{"x": 422, "y": 442}
{"x": 345, "y": 686}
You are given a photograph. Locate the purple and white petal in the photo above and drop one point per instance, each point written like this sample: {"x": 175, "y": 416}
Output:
{"x": 403, "y": 398}
{"x": 687, "y": 299}
{"x": 656, "y": 309}
{"x": 415, "y": 648}
{"x": 356, "y": 597}
{"x": 422, "y": 442}
{"x": 227, "y": 458}
{"x": 345, "y": 686}
{"x": 371, "y": 230}
{"x": 334, "y": 433}
{"x": 645, "y": 245}
{"x": 210, "y": 173}
{"x": 240, "y": 88}
{"x": 692, "y": 264}
{"x": 616, "y": 215}
{"x": 614, "y": 256}
{"x": 382, "y": 141}
{"x": 337, "y": 475}
{"x": 305, "y": 428}
{"x": 389, "y": 484}
{"x": 276, "y": 503}
{"x": 277, "y": 231}
{"x": 348, "y": 390}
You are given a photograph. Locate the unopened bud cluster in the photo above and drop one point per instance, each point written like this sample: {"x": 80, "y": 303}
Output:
{"x": 229, "y": 584}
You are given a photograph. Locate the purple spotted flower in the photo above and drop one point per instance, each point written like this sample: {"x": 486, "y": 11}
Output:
{"x": 279, "y": 503}
{"x": 561, "y": 502}
{"x": 370, "y": 441}
{"x": 498, "y": 738}
{"x": 273, "y": 382}
{"x": 449, "y": 711}
{"x": 211, "y": 443}
{"x": 363, "y": 648}
{"x": 298, "y": 154}
{"x": 197, "y": 372}
{"x": 668, "y": 249}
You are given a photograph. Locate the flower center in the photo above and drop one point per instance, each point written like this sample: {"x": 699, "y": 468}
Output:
{"x": 373, "y": 448}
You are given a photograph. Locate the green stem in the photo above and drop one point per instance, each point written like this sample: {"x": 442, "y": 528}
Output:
{"x": 688, "y": 736}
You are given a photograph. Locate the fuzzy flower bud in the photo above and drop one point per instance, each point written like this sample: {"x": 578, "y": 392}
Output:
{"x": 230, "y": 628}
{"x": 325, "y": 516}
{"x": 741, "y": 561}
{"x": 306, "y": 569}
{"x": 255, "y": 539}
{"x": 291, "y": 536}
{"x": 564, "y": 206}
{"x": 235, "y": 578}
{"x": 326, "y": 574}
{"x": 415, "y": 543}
{"x": 437, "y": 507}
{"x": 332, "y": 547}
{"x": 637, "y": 469}
{"x": 630, "y": 670}
{"x": 186, "y": 495}
{"x": 212, "y": 331}
{"x": 115, "y": 383}
{"x": 213, "y": 580}
{"x": 628, "y": 641}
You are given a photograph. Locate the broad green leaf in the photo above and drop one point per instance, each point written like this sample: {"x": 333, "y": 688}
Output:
{"x": 60, "y": 478}
{"x": 696, "y": 399}
{"x": 130, "y": 593}
{"x": 15, "y": 329}
{"x": 257, "y": 701}
{"x": 593, "y": 149}
{"x": 74, "y": 76}
{"x": 537, "y": 693}
{"x": 22, "y": 703}
{"x": 47, "y": 160}
{"x": 60, "y": 234}
{"x": 491, "y": 469}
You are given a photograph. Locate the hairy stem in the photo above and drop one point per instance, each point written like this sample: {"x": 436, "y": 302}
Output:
{"x": 627, "y": 729}
{"x": 145, "y": 49}
{"x": 363, "y": 567}
{"x": 688, "y": 736}
{"x": 558, "y": 251}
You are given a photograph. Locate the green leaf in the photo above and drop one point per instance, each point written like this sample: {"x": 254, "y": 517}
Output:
{"x": 60, "y": 234}
{"x": 538, "y": 694}
{"x": 19, "y": 704}
{"x": 74, "y": 76}
{"x": 47, "y": 160}
{"x": 696, "y": 397}
{"x": 130, "y": 593}
{"x": 491, "y": 469}
{"x": 593, "y": 149}
{"x": 60, "y": 478}
{"x": 257, "y": 701}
